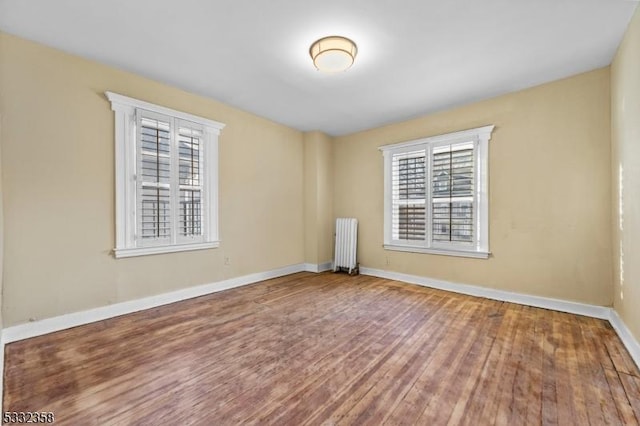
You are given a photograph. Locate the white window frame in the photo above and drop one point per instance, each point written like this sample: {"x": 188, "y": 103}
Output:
{"x": 126, "y": 116}
{"x": 479, "y": 248}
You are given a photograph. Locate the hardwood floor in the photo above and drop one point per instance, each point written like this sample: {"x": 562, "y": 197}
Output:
{"x": 329, "y": 349}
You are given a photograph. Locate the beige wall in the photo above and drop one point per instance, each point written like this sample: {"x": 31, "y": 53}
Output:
{"x": 318, "y": 174}
{"x": 1, "y": 249}
{"x": 625, "y": 168}
{"x": 1, "y": 239}
{"x": 58, "y": 181}
{"x": 549, "y": 191}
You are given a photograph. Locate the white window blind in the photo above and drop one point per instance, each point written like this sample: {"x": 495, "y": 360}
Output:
{"x": 169, "y": 175}
{"x": 408, "y": 220}
{"x": 190, "y": 181}
{"x": 154, "y": 180}
{"x": 452, "y": 195}
{"x": 436, "y": 194}
{"x": 166, "y": 179}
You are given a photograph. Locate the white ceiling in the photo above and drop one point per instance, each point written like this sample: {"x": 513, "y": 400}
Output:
{"x": 415, "y": 56}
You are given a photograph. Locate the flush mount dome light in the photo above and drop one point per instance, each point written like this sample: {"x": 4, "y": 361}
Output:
{"x": 333, "y": 54}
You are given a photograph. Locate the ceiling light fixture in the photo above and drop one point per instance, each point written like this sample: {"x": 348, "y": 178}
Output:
{"x": 333, "y": 54}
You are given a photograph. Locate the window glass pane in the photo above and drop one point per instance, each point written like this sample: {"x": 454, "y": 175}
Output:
{"x": 189, "y": 143}
{"x": 190, "y": 179}
{"x": 155, "y": 150}
{"x": 190, "y": 214}
{"x": 410, "y": 177}
{"x": 462, "y": 221}
{"x": 154, "y": 178}
{"x": 155, "y": 211}
{"x": 452, "y": 184}
{"x": 452, "y": 221}
{"x": 408, "y": 196}
{"x": 410, "y": 222}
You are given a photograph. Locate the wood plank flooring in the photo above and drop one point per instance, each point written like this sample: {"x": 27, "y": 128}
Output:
{"x": 329, "y": 349}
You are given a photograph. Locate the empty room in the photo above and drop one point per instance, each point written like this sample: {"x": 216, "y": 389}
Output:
{"x": 343, "y": 212}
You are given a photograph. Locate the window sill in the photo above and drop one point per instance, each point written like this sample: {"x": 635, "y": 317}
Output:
{"x": 457, "y": 253}
{"x": 144, "y": 251}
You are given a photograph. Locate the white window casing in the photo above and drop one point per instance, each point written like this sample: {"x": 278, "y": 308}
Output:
{"x": 181, "y": 169}
{"x": 436, "y": 194}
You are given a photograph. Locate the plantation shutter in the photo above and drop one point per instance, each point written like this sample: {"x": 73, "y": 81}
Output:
{"x": 154, "y": 180}
{"x": 166, "y": 179}
{"x": 190, "y": 162}
{"x": 452, "y": 193}
{"x": 408, "y": 196}
{"x": 436, "y": 194}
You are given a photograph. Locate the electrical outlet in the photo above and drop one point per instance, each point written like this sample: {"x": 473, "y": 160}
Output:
{"x": 227, "y": 261}
{"x": 387, "y": 261}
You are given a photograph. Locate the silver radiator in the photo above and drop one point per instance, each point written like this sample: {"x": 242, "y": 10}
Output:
{"x": 346, "y": 244}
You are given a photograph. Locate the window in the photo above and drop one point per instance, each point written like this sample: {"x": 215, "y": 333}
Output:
{"x": 166, "y": 179}
{"x": 436, "y": 194}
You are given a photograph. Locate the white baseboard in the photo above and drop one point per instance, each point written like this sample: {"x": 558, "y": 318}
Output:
{"x": 49, "y": 325}
{"x": 625, "y": 335}
{"x": 62, "y": 322}
{"x": 594, "y": 311}
{"x": 312, "y": 267}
